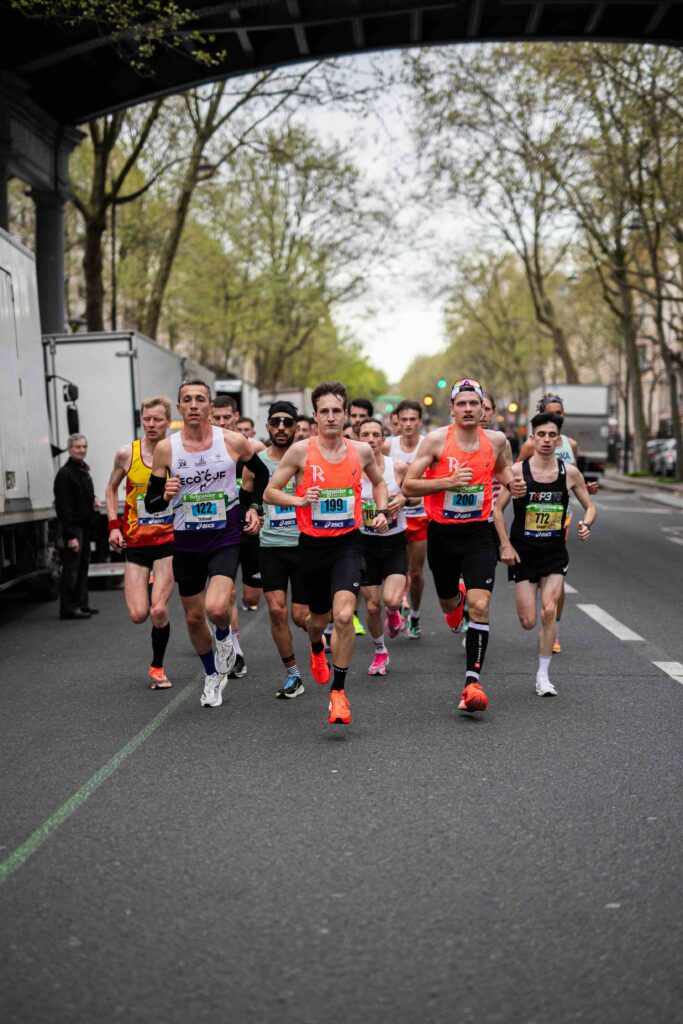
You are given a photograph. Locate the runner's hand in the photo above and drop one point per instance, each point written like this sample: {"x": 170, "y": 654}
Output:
{"x": 462, "y": 476}
{"x": 396, "y": 503}
{"x": 583, "y": 531}
{"x": 171, "y": 487}
{"x": 252, "y": 522}
{"x": 508, "y": 555}
{"x": 311, "y": 496}
{"x": 593, "y": 487}
{"x": 116, "y": 541}
{"x": 380, "y": 524}
{"x": 517, "y": 487}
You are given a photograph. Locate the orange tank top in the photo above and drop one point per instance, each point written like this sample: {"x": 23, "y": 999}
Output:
{"x": 469, "y": 503}
{"x": 338, "y": 510}
{"x": 141, "y": 529}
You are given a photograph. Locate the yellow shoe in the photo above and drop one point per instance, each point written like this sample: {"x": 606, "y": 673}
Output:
{"x": 358, "y": 626}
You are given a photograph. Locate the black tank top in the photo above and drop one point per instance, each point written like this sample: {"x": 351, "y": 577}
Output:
{"x": 540, "y": 514}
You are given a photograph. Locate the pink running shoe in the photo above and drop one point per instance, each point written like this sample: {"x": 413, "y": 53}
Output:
{"x": 379, "y": 665}
{"x": 393, "y": 623}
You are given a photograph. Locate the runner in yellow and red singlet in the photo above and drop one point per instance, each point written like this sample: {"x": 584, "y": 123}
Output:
{"x": 328, "y": 470}
{"x": 146, "y": 540}
{"x": 453, "y": 471}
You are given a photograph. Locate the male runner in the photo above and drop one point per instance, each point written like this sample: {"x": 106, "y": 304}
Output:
{"x": 249, "y": 552}
{"x": 195, "y": 470}
{"x": 403, "y": 448}
{"x": 328, "y": 473}
{"x": 360, "y": 409}
{"x": 395, "y": 426}
{"x": 453, "y": 471}
{"x": 247, "y": 428}
{"x": 385, "y": 554}
{"x": 303, "y": 428}
{"x": 146, "y": 540}
{"x": 568, "y": 451}
{"x": 224, "y": 412}
{"x": 279, "y": 550}
{"x": 536, "y": 550}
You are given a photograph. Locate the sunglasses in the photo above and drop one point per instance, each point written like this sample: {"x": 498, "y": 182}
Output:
{"x": 467, "y": 384}
{"x": 275, "y": 421}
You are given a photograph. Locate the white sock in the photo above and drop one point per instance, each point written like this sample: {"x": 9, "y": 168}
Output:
{"x": 543, "y": 665}
{"x": 379, "y": 645}
{"x": 293, "y": 670}
{"x": 236, "y": 642}
{"x": 328, "y": 629}
{"x": 415, "y": 614}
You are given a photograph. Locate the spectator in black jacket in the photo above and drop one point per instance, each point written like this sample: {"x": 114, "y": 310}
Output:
{"x": 75, "y": 505}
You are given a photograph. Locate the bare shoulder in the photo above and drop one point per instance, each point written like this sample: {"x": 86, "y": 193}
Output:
{"x": 574, "y": 474}
{"x": 497, "y": 439}
{"x": 433, "y": 441}
{"x": 257, "y": 446}
{"x": 364, "y": 451}
{"x": 123, "y": 457}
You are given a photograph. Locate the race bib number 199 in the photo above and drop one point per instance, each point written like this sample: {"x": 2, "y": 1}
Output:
{"x": 334, "y": 509}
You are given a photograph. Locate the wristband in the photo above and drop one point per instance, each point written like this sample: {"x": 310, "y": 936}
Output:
{"x": 257, "y": 508}
{"x": 384, "y": 512}
{"x": 115, "y": 524}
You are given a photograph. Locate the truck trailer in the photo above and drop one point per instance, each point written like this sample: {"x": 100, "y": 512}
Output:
{"x": 586, "y": 419}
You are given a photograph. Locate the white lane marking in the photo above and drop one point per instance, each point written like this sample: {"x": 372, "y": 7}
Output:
{"x": 568, "y": 589}
{"x": 672, "y": 668}
{"x": 675, "y": 540}
{"x": 603, "y": 618}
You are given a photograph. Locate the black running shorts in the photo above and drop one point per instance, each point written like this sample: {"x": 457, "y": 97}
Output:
{"x": 328, "y": 565}
{"x": 280, "y": 567}
{"x": 249, "y": 561}
{"x": 384, "y": 556}
{"x": 191, "y": 569}
{"x": 538, "y": 560}
{"x": 462, "y": 549}
{"x": 148, "y": 554}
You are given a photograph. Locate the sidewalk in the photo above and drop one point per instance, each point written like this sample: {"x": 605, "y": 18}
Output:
{"x": 646, "y": 486}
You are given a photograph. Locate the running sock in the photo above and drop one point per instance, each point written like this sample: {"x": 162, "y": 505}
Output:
{"x": 222, "y": 633}
{"x": 415, "y": 614}
{"x": 318, "y": 647}
{"x": 208, "y": 662}
{"x": 236, "y": 642}
{"x": 160, "y": 636}
{"x": 339, "y": 677}
{"x": 290, "y": 664}
{"x": 380, "y": 646}
{"x": 476, "y": 640}
{"x": 544, "y": 665}
{"x": 328, "y": 629}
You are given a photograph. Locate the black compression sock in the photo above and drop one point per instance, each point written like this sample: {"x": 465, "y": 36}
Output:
{"x": 476, "y": 639}
{"x": 339, "y": 677}
{"x": 318, "y": 647}
{"x": 160, "y": 637}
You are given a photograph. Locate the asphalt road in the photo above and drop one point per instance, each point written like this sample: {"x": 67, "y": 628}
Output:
{"x": 252, "y": 864}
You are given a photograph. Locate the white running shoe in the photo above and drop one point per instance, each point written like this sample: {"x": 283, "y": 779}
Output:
{"x": 544, "y": 688}
{"x": 214, "y": 685}
{"x": 226, "y": 655}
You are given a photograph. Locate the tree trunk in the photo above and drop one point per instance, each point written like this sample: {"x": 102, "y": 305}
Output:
{"x": 635, "y": 396}
{"x": 92, "y": 268}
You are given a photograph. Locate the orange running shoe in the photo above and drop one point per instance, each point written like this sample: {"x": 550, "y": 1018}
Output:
{"x": 159, "y": 679}
{"x": 454, "y": 618}
{"x": 320, "y": 670}
{"x": 340, "y": 710}
{"x": 557, "y": 649}
{"x": 473, "y": 698}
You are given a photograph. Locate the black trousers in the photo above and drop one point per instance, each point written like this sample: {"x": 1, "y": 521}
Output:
{"x": 73, "y": 587}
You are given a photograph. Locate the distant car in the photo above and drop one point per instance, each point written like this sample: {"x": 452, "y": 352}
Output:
{"x": 654, "y": 447}
{"x": 664, "y": 461}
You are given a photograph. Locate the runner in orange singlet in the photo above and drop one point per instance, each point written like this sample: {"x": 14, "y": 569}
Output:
{"x": 146, "y": 540}
{"x": 453, "y": 471}
{"x": 328, "y": 470}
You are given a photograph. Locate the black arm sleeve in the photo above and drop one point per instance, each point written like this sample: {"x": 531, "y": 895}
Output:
{"x": 154, "y": 498}
{"x": 261, "y": 478}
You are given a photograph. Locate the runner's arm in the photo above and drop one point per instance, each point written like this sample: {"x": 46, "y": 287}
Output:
{"x": 508, "y": 555}
{"x": 274, "y": 493}
{"x": 505, "y": 473}
{"x": 161, "y": 487}
{"x": 111, "y": 498}
{"x": 413, "y": 485}
{"x": 577, "y": 484}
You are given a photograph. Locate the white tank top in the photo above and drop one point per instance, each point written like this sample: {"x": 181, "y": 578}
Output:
{"x": 398, "y": 455}
{"x": 396, "y": 525}
{"x": 564, "y": 450}
{"x": 206, "y": 504}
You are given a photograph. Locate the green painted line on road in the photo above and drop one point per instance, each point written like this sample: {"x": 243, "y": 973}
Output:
{"x": 42, "y": 834}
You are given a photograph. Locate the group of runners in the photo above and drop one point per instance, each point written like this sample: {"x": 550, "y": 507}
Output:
{"x": 331, "y": 512}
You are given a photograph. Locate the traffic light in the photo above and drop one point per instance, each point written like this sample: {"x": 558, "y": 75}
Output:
{"x": 428, "y": 400}
{"x": 441, "y": 383}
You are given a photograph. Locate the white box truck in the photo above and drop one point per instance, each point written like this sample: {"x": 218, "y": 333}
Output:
{"x": 586, "y": 412}
{"x": 113, "y": 373}
{"x": 28, "y": 536}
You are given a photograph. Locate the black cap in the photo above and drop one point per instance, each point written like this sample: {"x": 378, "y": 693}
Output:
{"x": 287, "y": 407}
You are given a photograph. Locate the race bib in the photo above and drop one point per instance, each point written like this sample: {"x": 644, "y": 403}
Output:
{"x": 205, "y": 511}
{"x": 464, "y": 503}
{"x": 334, "y": 509}
{"x": 281, "y": 517}
{"x": 369, "y": 513}
{"x": 543, "y": 520}
{"x": 146, "y": 518}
